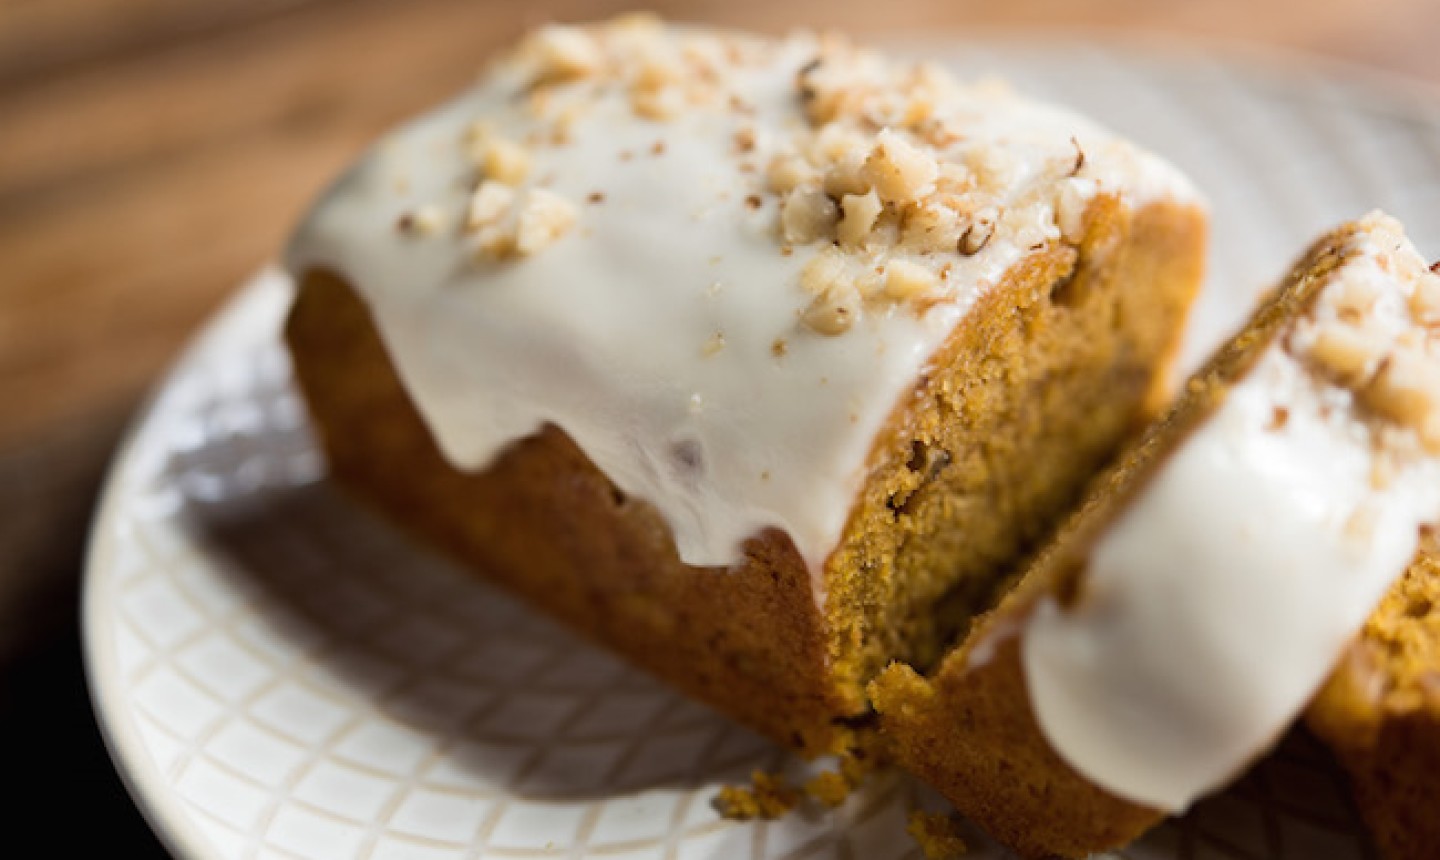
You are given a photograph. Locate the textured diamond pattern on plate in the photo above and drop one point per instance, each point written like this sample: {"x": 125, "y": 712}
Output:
{"x": 282, "y": 676}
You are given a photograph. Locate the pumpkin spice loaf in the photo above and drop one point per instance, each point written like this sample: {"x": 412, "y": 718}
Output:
{"x": 754, "y": 360}
{"x": 1182, "y": 618}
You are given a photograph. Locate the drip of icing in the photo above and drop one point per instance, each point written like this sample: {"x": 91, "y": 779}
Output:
{"x": 661, "y": 331}
{"x": 1217, "y": 603}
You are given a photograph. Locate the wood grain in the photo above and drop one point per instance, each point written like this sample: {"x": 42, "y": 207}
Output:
{"x": 152, "y": 152}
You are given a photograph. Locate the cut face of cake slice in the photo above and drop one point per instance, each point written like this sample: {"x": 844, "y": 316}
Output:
{"x": 755, "y": 360}
{"x": 1380, "y": 713}
{"x": 1185, "y": 615}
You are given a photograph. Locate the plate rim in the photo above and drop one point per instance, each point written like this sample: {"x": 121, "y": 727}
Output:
{"x": 138, "y": 772}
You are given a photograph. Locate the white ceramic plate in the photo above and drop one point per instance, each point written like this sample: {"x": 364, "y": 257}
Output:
{"x": 279, "y": 675}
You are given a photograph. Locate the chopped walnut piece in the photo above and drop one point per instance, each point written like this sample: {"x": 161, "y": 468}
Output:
{"x": 905, "y": 280}
{"x": 1070, "y": 206}
{"x": 807, "y": 215}
{"x": 860, "y": 212}
{"x": 824, "y": 271}
{"x": 931, "y": 226}
{"x": 900, "y": 171}
{"x": 1345, "y": 353}
{"x": 505, "y": 161}
{"x": 544, "y": 217}
{"x": 788, "y": 171}
{"x": 660, "y": 103}
{"x": 1425, "y": 301}
{"x": 657, "y": 67}
{"x": 422, "y": 221}
{"x": 495, "y": 242}
{"x": 564, "y": 53}
{"x": 978, "y": 234}
{"x": 991, "y": 167}
{"x": 1353, "y": 299}
{"x": 489, "y": 202}
{"x": 847, "y": 176}
{"x": 834, "y": 311}
{"x": 1406, "y": 390}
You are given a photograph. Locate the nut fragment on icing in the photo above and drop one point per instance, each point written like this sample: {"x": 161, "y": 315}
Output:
{"x": 807, "y": 215}
{"x": 563, "y": 53}
{"x": 905, "y": 280}
{"x": 505, "y": 161}
{"x": 1345, "y": 353}
{"x": 1406, "y": 390}
{"x": 488, "y": 204}
{"x": 544, "y": 217}
{"x": 861, "y": 211}
{"x": 834, "y": 310}
{"x": 899, "y": 171}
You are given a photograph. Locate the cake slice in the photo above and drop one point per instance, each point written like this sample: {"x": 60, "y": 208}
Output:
{"x": 1380, "y": 713}
{"x": 1183, "y": 617}
{"x": 756, "y": 360}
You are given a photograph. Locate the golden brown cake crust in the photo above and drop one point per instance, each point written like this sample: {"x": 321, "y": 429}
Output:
{"x": 545, "y": 523}
{"x": 969, "y": 730}
{"x": 1380, "y": 713}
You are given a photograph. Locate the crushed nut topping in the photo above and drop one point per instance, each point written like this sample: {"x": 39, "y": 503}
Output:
{"x": 977, "y": 235}
{"x": 504, "y": 160}
{"x": 860, "y": 212}
{"x": 563, "y": 53}
{"x": 905, "y": 280}
{"x": 544, "y": 217}
{"x": 1347, "y": 354}
{"x": 899, "y": 171}
{"x": 1353, "y": 337}
{"x": 884, "y": 179}
{"x": 489, "y": 204}
{"x": 807, "y": 215}
{"x": 834, "y": 310}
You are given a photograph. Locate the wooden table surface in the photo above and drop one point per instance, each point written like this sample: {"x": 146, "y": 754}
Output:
{"x": 154, "y": 152}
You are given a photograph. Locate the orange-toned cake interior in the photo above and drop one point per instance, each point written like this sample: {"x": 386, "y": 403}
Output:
{"x": 1380, "y": 713}
{"x": 1306, "y": 402}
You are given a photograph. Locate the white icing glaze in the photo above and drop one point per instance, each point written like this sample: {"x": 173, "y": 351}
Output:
{"x": 611, "y": 332}
{"x": 1218, "y": 601}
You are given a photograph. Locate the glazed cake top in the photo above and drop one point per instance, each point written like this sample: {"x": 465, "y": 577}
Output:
{"x": 1218, "y": 601}
{"x": 715, "y": 261}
